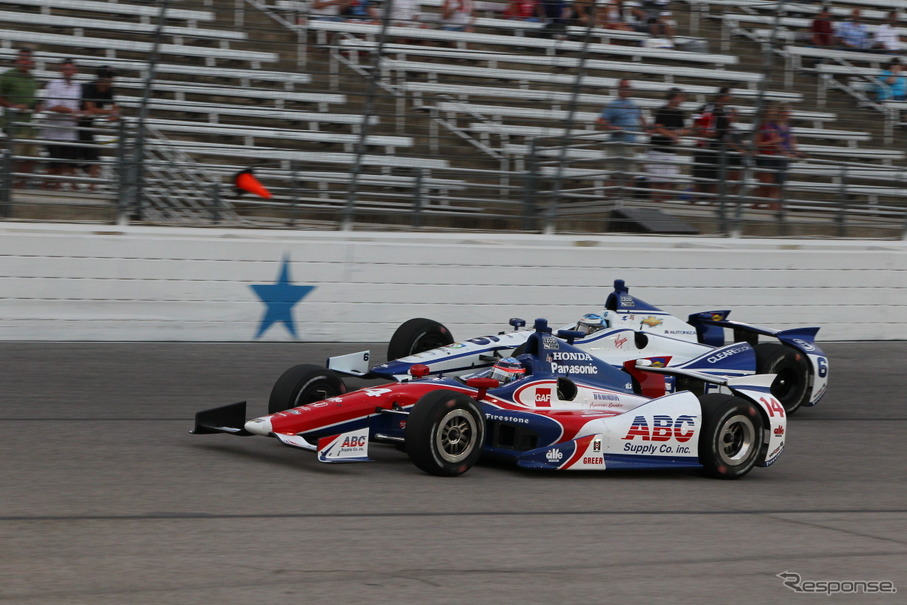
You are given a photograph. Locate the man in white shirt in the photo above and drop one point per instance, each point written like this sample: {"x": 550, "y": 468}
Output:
{"x": 405, "y": 13}
{"x": 886, "y": 37}
{"x": 62, "y": 102}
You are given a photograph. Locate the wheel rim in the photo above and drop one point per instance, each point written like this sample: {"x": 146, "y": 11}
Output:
{"x": 736, "y": 440}
{"x": 456, "y": 436}
{"x": 313, "y": 394}
{"x": 786, "y": 384}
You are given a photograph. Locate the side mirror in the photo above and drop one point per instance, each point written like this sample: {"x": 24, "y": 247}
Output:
{"x": 570, "y": 335}
{"x": 482, "y": 384}
{"x": 517, "y": 323}
{"x": 419, "y": 370}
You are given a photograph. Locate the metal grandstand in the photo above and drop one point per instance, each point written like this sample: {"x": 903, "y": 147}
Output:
{"x": 393, "y": 124}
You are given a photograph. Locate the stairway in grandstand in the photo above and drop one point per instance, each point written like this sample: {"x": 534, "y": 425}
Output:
{"x": 453, "y": 125}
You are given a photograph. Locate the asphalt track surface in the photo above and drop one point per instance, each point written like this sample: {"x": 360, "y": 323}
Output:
{"x": 107, "y": 499}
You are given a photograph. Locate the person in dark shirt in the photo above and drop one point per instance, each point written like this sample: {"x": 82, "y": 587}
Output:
{"x": 822, "y": 29}
{"x": 710, "y": 126}
{"x": 669, "y": 124}
{"x": 97, "y": 104}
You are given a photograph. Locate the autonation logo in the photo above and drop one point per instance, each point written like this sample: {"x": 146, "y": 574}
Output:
{"x": 829, "y": 587}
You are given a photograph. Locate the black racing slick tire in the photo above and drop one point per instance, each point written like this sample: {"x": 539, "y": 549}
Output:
{"x": 304, "y": 384}
{"x": 417, "y": 335}
{"x": 731, "y": 436}
{"x": 791, "y": 386}
{"x": 444, "y": 433}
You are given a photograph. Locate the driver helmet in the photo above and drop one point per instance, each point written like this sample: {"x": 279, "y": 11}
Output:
{"x": 589, "y": 323}
{"x": 508, "y": 370}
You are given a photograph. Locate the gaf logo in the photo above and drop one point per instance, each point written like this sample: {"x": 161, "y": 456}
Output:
{"x": 351, "y": 441}
{"x": 543, "y": 396}
{"x": 554, "y": 455}
{"x": 662, "y": 428}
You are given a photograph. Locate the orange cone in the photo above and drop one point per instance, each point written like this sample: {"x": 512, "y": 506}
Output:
{"x": 246, "y": 181}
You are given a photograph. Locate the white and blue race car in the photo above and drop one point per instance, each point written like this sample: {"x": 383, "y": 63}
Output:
{"x": 628, "y": 328}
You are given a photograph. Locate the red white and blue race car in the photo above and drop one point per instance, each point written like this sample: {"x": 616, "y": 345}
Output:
{"x": 554, "y": 407}
{"x": 628, "y": 328}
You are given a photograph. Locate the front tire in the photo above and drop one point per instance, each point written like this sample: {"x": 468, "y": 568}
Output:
{"x": 791, "y": 387}
{"x": 417, "y": 335}
{"x": 444, "y": 433}
{"x": 304, "y": 384}
{"x": 731, "y": 436}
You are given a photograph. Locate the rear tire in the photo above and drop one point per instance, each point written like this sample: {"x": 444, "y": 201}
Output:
{"x": 791, "y": 387}
{"x": 417, "y": 335}
{"x": 304, "y": 384}
{"x": 731, "y": 436}
{"x": 444, "y": 433}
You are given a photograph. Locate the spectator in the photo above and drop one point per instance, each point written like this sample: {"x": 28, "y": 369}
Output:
{"x": 62, "y": 98}
{"x": 735, "y": 149}
{"x": 405, "y": 13}
{"x": 18, "y": 95}
{"x": 853, "y": 33}
{"x": 668, "y": 125}
{"x": 359, "y": 9}
{"x": 625, "y": 119}
{"x": 97, "y": 102}
{"x": 556, "y": 15}
{"x": 647, "y": 14}
{"x": 524, "y": 10}
{"x": 622, "y": 116}
{"x": 457, "y": 15}
{"x": 327, "y": 10}
{"x": 892, "y": 82}
{"x": 585, "y": 13}
{"x": 710, "y": 126}
{"x": 612, "y": 17}
{"x": 822, "y": 30}
{"x": 658, "y": 38}
{"x": 886, "y": 38}
{"x": 776, "y": 146}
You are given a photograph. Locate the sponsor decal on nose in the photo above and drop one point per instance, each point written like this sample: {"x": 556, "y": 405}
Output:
{"x": 259, "y": 426}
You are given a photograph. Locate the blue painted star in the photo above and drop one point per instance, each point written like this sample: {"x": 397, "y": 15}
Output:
{"x": 280, "y": 299}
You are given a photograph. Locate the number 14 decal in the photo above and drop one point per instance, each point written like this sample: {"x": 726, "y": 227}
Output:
{"x": 774, "y": 406}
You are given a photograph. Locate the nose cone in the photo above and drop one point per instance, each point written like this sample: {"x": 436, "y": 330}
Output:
{"x": 259, "y": 426}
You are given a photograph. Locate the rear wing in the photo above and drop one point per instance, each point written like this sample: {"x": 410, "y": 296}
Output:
{"x": 643, "y": 370}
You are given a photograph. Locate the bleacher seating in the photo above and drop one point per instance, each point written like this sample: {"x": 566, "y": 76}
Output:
{"x": 145, "y": 12}
{"x": 549, "y": 46}
{"x": 226, "y": 100}
{"x": 80, "y": 24}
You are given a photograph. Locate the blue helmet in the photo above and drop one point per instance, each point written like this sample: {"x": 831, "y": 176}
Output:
{"x": 589, "y": 323}
{"x": 508, "y": 370}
